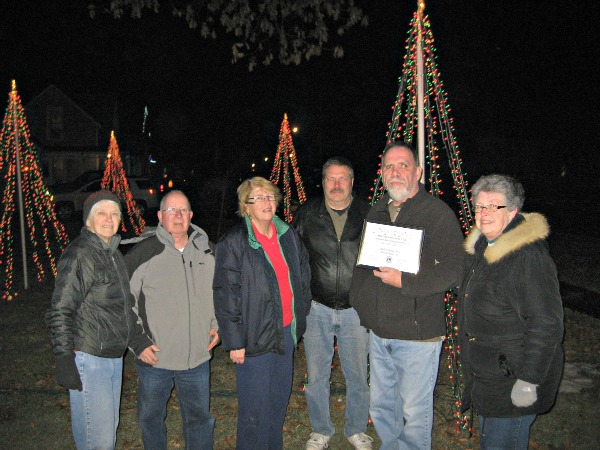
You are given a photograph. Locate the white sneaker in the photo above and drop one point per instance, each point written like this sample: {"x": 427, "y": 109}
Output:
{"x": 360, "y": 441}
{"x": 318, "y": 441}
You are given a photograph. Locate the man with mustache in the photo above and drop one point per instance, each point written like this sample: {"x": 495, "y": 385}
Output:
{"x": 404, "y": 311}
{"x": 330, "y": 227}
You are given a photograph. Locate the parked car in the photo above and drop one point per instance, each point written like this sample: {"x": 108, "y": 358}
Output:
{"x": 69, "y": 197}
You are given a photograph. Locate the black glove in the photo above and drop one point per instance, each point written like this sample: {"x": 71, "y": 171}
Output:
{"x": 67, "y": 374}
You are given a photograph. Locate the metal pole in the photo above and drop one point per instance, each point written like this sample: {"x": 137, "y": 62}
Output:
{"x": 19, "y": 186}
{"x": 420, "y": 89}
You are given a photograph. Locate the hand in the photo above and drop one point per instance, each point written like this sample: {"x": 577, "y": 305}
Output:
{"x": 523, "y": 394}
{"x": 390, "y": 276}
{"x": 149, "y": 355}
{"x": 238, "y": 356}
{"x": 215, "y": 339}
{"x": 67, "y": 374}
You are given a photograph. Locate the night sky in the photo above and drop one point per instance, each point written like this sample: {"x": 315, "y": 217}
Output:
{"x": 519, "y": 76}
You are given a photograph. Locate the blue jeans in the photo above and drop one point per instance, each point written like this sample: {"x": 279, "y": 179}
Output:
{"x": 95, "y": 410}
{"x": 264, "y": 385}
{"x": 193, "y": 391}
{"x": 323, "y": 324}
{"x": 504, "y": 433}
{"x": 403, "y": 376}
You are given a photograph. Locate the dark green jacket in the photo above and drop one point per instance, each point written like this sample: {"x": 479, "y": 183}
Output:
{"x": 246, "y": 292}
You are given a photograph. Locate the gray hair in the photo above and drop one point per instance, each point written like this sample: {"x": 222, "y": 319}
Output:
{"x": 338, "y": 161}
{"x": 400, "y": 144}
{"x": 500, "y": 184}
{"x": 168, "y": 194}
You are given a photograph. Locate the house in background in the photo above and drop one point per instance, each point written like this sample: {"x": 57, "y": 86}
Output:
{"x": 69, "y": 140}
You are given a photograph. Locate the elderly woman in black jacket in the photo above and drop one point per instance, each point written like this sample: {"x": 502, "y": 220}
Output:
{"x": 510, "y": 316}
{"x": 89, "y": 320}
{"x": 262, "y": 297}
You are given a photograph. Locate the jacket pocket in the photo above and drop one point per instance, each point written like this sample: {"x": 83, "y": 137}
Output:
{"x": 504, "y": 366}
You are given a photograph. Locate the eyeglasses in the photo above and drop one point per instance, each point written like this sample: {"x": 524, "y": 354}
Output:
{"x": 340, "y": 180}
{"x": 261, "y": 199}
{"x": 172, "y": 211}
{"x": 490, "y": 208}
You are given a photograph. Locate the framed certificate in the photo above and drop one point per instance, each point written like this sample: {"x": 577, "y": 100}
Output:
{"x": 388, "y": 245}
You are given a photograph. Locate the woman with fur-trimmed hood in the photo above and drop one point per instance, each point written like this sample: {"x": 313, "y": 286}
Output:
{"x": 510, "y": 316}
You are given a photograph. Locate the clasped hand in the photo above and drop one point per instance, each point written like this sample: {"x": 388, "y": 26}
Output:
{"x": 389, "y": 275}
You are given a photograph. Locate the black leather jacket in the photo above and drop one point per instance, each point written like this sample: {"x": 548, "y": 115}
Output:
{"x": 91, "y": 307}
{"x": 331, "y": 261}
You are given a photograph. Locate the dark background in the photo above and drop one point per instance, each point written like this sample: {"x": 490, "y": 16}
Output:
{"x": 520, "y": 76}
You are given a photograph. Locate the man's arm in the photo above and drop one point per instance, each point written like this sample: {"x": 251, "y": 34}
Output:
{"x": 140, "y": 341}
{"x": 441, "y": 258}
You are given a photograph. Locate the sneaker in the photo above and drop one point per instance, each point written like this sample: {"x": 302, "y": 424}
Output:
{"x": 360, "y": 441}
{"x": 317, "y": 441}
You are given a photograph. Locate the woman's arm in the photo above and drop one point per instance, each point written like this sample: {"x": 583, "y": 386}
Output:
{"x": 227, "y": 292}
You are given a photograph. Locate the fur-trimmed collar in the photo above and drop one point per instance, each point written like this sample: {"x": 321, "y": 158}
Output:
{"x": 534, "y": 228}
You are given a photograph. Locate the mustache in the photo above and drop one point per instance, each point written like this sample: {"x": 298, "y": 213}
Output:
{"x": 395, "y": 179}
{"x": 331, "y": 191}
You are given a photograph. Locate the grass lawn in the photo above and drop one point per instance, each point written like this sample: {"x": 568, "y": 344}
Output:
{"x": 34, "y": 410}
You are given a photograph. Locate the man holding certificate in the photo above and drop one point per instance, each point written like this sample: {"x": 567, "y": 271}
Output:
{"x": 405, "y": 309}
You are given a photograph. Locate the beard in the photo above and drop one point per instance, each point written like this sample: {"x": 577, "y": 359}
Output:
{"x": 398, "y": 193}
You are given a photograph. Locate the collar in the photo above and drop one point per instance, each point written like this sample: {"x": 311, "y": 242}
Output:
{"x": 523, "y": 230}
{"x": 382, "y": 203}
{"x": 97, "y": 242}
{"x": 337, "y": 211}
{"x": 280, "y": 228}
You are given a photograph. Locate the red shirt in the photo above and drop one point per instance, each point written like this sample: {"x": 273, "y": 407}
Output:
{"x": 273, "y": 251}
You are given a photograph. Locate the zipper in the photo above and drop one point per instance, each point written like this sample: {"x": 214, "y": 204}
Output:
{"x": 465, "y": 295}
{"x": 125, "y": 296}
{"x": 189, "y": 314}
{"x": 337, "y": 275}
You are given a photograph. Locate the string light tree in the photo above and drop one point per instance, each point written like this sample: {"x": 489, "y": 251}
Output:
{"x": 286, "y": 155}
{"x": 40, "y": 229}
{"x": 422, "y": 105}
{"x": 115, "y": 180}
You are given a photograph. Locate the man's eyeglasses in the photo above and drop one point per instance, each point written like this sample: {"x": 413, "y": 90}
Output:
{"x": 340, "y": 180}
{"x": 261, "y": 199}
{"x": 172, "y": 211}
{"x": 490, "y": 208}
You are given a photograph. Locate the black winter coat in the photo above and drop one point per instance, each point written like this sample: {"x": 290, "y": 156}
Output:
{"x": 415, "y": 311}
{"x": 91, "y": 308}
{"x": 246, "y": 292}
{"x": 510, "y": 319}
{"x": 331, "y": 261}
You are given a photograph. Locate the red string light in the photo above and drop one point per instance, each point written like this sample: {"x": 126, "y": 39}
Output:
{"x": 115, "y": 180}
{"x": 439, "y": 135}
{"x": 47, "y": 237}
{"x": 286, "y": 155}
{"x": 440, "y": 129}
